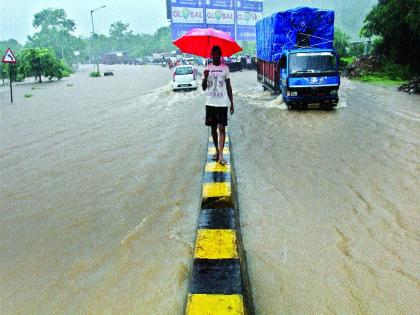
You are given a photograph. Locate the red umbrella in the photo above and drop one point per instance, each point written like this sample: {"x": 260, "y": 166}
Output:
{"x": 199, "y": 41}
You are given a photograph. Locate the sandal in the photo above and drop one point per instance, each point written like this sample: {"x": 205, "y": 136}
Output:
{"x": 223, "y": 162}
{"x": 215, "y": 157}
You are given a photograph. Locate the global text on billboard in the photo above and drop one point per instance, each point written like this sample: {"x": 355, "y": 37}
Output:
{"x": 236, "y": 17}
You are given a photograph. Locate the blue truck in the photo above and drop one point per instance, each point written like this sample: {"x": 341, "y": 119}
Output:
{"x": 296, "y": 57}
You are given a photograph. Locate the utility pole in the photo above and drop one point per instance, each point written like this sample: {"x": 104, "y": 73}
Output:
{"x": 93, "y": 36}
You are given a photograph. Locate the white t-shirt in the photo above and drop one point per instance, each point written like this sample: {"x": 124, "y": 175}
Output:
{"x": 216, "y": 85}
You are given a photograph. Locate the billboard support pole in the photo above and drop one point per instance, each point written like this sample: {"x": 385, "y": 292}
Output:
{"x": 205, "y": 14}
{"x": 235, "y": 19}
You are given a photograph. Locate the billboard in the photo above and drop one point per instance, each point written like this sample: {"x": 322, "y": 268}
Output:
{"x": 235, "y": 17}
{"x": 220, "y": 14}
{"x": 248, "y": 12}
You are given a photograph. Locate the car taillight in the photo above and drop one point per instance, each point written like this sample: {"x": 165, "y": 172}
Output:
{"x": 174, "y": 76}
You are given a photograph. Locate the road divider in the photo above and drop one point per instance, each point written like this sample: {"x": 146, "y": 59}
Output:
{"x": 218, "y": 282}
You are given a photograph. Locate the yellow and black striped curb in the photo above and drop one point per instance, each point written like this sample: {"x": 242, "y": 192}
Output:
{"x": 218, "y": 281}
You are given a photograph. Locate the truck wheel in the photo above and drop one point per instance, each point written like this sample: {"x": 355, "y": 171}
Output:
{"x": 329, "y": 106}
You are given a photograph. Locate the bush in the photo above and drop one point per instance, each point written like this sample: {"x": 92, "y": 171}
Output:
{"x": 396, "y": 72}
{"x": 66, "y": 69}
{"x": 95, "y": 74}
{"x": 376, "y": 69}
{"x": 346, "y": 61}
{"x": 40, "y": 62}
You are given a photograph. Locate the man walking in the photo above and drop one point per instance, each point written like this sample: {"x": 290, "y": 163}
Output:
{"x": 216, "y": 82}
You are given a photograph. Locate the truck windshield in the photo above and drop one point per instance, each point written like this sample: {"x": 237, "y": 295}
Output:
{"x": 321, "y": 62}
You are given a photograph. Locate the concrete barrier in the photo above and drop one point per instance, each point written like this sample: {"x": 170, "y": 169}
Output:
{"x": 218, "y": 280}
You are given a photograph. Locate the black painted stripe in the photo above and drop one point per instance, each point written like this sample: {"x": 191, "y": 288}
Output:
{"x": 217, "y": 219}
{"x": 216, "y": 177}
{"x": 216, "y": 276}
{"x": 217, "y": 203}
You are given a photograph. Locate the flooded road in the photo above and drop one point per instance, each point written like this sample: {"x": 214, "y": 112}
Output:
{"x": 101, "y": 183}
{"x": 100, "y": 191}
{"x": 330, "y": 204}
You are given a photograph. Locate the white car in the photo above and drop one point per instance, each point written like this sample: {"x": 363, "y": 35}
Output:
{"x": 184, "y": 77}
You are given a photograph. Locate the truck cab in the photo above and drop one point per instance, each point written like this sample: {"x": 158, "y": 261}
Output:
{"x": 309, "y": 76}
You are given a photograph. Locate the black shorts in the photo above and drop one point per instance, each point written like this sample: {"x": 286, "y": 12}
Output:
{"x": 216, "y": 115}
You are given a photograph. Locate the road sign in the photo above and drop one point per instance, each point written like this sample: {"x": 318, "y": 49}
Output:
{"x": 9, "y": 57}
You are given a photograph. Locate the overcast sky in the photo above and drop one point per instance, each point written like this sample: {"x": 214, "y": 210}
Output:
{"x": 144, "y": 16}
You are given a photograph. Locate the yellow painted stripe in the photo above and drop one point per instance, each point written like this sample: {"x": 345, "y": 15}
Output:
{"x": 216, "y": 190}
{"x": 215, "y": 304}
{"x": 216, "y": 167}
{"x": 215, "y": 244}
{"x": 212, "y": 150}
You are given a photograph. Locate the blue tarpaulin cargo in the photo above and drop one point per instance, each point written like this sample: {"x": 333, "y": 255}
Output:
{"x": 294, "y": 28}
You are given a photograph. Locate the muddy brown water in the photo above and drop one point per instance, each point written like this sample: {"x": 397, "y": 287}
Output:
{"x": 100, "y": 190}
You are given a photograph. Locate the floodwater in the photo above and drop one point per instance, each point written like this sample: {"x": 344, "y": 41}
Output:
{"x": 101, "y": 183}
{"x": 330, "y": 202}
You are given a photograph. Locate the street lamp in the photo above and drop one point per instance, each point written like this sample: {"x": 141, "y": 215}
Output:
{"x": 93, "y": 35}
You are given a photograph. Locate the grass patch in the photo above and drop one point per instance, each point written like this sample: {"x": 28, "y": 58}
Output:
{"x": 95, "y": 74}
{"x": 28, "y": 95}
{"x": 380, "y": 79}
{"x": 382, "y": 73}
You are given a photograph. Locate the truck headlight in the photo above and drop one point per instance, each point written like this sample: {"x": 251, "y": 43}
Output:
{"x": 294, "y": 93}
{"x": 333, "y": 92}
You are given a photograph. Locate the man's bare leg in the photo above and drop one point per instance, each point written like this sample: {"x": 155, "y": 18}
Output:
{"x": 221, "y": 141}
{"x": 215, "y": 141}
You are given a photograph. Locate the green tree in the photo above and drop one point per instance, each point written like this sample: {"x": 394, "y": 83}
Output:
{"x": 137, "y": 45}
{"x": 39, "y": 62}
{"x": 53, "y": 19}
{"x": 54, "y": 29}
{"x": 163, "y": 39}
{"x": 248, "y": 48}
{"x": 118, "y": 31}
{"x": 341, "y": 42}
{"x": 397, "y": 23}
{"x": 13, "y": 44}
{"x": 357, "y": 49}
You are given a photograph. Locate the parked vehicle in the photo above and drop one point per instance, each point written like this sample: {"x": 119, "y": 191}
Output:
{"x": 188, "y": 58}
{"x": 295, "y": 56}
{"x": 138, "y": 61}
{"x": 235, "y": 65}
{"x": 157, "y": 58}
{"x": 116, "y": 57}
{"x": 184, "y": 77}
